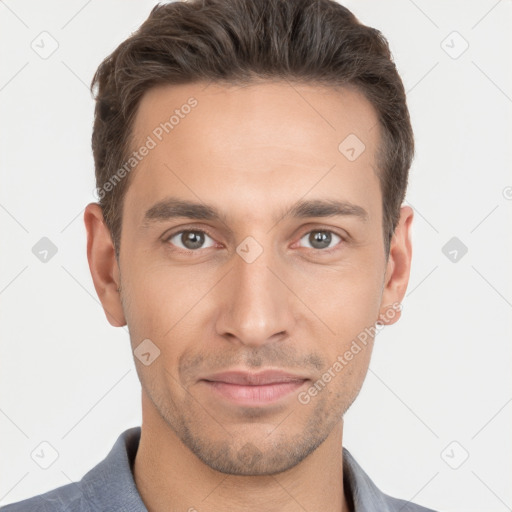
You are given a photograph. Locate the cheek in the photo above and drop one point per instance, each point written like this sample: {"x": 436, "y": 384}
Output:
{"x": 159, "y": 293}
{"x": 347, "y": 298}
{"x": 148, "y": 302}
{"x": 171, "y": 307}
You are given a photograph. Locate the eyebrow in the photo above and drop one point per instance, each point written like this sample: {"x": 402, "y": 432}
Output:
{"x": 171, "y": 208}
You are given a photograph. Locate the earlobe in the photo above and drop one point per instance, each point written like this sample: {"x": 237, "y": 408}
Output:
{"x": 398, "y": 269}
{"x": 103, "y": 264}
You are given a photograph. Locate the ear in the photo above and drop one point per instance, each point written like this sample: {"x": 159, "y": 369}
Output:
{"x": 103, "y": 264}
{"x": 398, "y": 269}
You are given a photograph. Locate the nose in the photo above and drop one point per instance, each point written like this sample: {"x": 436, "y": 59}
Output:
{"x": 256, "y": 305}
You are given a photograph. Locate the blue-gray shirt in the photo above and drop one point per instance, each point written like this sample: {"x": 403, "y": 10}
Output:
{"x": 110, "y": 487}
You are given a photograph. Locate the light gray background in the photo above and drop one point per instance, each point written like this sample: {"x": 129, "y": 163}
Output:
{"x": 442, "y": 374}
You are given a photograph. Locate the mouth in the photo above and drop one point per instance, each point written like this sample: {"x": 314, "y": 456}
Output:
{"x": 253, "y": 389}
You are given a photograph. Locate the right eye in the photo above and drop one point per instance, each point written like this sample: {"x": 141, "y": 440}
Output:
{"x": 190, "y": 240}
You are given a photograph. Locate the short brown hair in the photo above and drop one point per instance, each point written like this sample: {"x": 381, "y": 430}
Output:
{"x": 243, "y": 41}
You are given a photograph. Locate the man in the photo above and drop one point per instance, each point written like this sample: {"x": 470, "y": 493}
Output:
{"x": 251, "y": 162}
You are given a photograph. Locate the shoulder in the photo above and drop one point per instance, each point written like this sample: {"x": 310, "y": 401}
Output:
{"x": 365, "y": 495}
{"x": 106, "y": 486}
{"x": 68, "y": 498}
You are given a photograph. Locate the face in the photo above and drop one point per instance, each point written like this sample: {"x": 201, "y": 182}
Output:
{"x": 252, "y": 258}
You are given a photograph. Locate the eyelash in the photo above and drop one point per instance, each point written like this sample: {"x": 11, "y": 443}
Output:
{"x": 198, "y": 230}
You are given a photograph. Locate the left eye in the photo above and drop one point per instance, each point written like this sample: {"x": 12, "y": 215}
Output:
{"x": 190, "y": 240}
{"x": 320, "y": 239}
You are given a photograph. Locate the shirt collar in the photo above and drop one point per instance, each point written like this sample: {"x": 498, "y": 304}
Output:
{"x": 360, "y": 489}
{"x": 111, "y": 481}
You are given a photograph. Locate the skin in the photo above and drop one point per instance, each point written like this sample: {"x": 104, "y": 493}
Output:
{"x": 251, "y": 152}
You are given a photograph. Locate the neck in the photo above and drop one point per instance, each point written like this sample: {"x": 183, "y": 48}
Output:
{"x": 169, "y": 477}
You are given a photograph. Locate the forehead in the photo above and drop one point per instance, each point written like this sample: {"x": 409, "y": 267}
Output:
{"x": 252, "y": 144}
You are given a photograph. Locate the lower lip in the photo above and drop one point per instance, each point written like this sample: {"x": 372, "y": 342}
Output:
{"x": 254, "y": 395}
